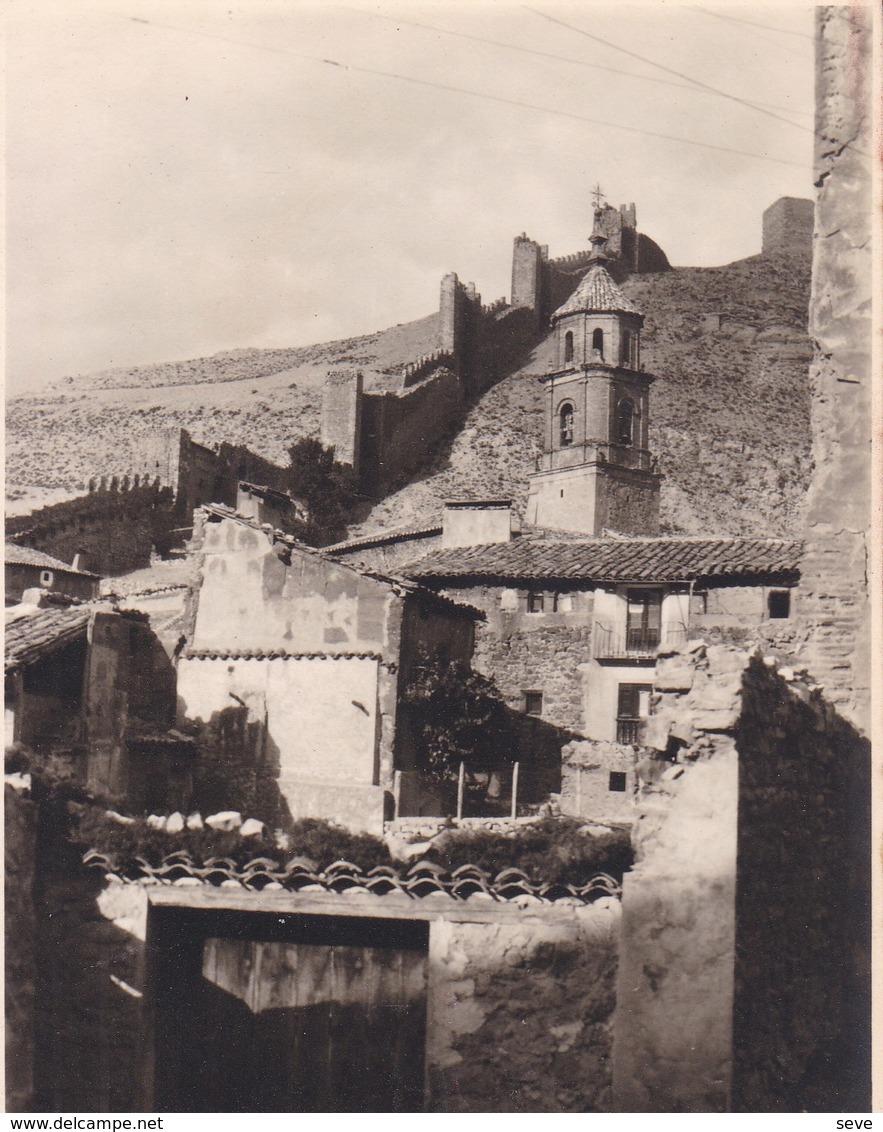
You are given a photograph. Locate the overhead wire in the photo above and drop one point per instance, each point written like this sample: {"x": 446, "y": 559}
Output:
{"x": 671, "y": 71}
{"x": 558, "y": 58}
{"x": 471, "y": 93}
{"x": 754, "y": 24}
{"x": 748, "y": 28}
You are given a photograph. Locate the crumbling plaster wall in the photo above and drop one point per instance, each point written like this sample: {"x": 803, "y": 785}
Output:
{"x": 324, "y": 728}
{"x": 834, "y": 590}
{"x": 520, "y": 1011}
{"x": 673, "y": 1046}
{"x": 250, "y": 599}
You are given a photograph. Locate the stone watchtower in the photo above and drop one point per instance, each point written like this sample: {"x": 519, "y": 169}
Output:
{"x": 595, "y": 469}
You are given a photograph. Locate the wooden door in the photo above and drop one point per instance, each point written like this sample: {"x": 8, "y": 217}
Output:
{"x": 306, "y": 1027}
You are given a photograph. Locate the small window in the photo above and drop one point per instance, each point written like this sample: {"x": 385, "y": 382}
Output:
{"x": 533, "y": 703}
{"x": 779, "y": 604}
{"x": 625, "y": 347}
{"x": 625, "y": 421}
{"x": 536, "y": 601}
{"x": 617, "y": 781}
{"x": 565, "y": 416}
{"x": 598, "y": 341}
{"x": 568, "y": 347}
{"x": 46, "y": 577}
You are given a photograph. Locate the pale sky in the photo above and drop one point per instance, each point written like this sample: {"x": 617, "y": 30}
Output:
{"x": 184, "y": 178}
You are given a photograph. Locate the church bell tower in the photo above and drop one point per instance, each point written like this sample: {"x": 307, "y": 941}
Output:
{"x": 595, "y": 472}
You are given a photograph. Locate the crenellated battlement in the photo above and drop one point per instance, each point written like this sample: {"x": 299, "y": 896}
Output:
{"x": 425, "y": 364}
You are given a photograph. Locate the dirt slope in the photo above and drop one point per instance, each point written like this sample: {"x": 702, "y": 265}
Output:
{"x": 729, "y": 409}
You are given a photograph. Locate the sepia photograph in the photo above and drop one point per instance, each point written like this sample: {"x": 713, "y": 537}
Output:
{"x": 439, "y": 558}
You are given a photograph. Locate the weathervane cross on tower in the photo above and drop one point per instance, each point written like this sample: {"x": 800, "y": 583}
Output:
{"x": 598, "y": 195}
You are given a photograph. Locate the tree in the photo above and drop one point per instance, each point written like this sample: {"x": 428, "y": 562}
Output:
{"x": 456, "y": 715}
{"x": 326, "y": 488}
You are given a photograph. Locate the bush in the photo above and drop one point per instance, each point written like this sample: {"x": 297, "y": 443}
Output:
{"x": 327, "y": 488}
{"x": 320, "y": 841}
{"x": 550, "y": 851}
{"x": 456, "y": 715}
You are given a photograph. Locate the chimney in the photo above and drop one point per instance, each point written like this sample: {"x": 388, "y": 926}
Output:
{"x": 80, "y": 562}
{"x": 475, "y": 522}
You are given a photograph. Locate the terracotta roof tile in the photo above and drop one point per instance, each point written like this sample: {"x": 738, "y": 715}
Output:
{"x": 381, "y": 538}
{"x": 425, "y": 878}
{"x": 31, "y": 635}
{"x": 26, "y": 556}
{"x": 613, "y": 560}
{"x": 596, "y": 292}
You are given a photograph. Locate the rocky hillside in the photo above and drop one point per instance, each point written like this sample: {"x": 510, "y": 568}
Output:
{"x": 729, "y": 409}
{"x": 83, "y": 426}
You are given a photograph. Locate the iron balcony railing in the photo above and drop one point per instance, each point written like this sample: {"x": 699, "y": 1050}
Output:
{"x": 627, "y": 642}
{"x": 629, "y": 730}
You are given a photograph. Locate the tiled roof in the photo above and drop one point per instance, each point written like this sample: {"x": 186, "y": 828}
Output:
{"x": 168, "y": 738}
{"x": 275, "y": 654}
{"x": 596, "y": 293}
{"x": 421, "y": 880}
{"x": 31, "y": 635}
{"x": 614, "y": 559}
{"x": 26, "y": 556}
{"x": 167, "y": 574}
{"x": 381, "y": 538}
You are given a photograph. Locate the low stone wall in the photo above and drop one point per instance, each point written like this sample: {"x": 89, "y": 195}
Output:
{"x": 520, "y": 1012}
{"x": 20, "y": 970}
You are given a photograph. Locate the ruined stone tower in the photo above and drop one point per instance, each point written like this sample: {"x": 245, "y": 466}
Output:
{"x": 595, "y": 469}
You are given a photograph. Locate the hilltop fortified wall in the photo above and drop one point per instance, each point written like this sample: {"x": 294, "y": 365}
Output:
{"x": 387, "y": 435}
{"x": 123, "y": 518}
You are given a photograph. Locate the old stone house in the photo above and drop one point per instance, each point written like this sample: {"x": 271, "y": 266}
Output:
{"x": 27, "y": 568}
{"x": 573, "y": 627}
{"x": 91, "y": 685}
{"x": 315, "y": 653}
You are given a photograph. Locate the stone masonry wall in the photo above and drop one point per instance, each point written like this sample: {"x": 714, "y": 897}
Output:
{"x": 544, "y": 660}
{"x": 114, "y": 528}
{"x": 745, "y": 944}
{"x": 834, "y": 589}
{"x": 400, "y": 430}
{"x": 19, "y": 973}
{"x": 802, "y": 994}
{"x": 520, "y": 1012}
